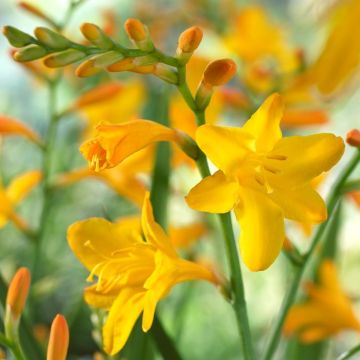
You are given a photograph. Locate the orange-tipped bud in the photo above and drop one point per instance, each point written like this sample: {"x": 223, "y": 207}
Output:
{"x": 29, "y": 53}
{"x": 64, "y": 58}
{"x": 59, "y": 339}
{"x": 353, "y": 138}
{"x": 139, "y": 34}
{"x": 96, "y": 36}
{"x": 122, "y": 65}
{"x": 190, "y": 39}
{"x": 16, "y": 37}
{"x": 87, "y": 69}
{"x": 219, "y": 72}
{"x": 18, "y": 292}
{"x": 51, "y": 38}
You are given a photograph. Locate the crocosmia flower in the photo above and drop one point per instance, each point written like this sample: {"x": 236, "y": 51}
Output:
{"x": 264, "y": 178}
{"x": 132, "y": 270}
{"x": 327, "y": 311}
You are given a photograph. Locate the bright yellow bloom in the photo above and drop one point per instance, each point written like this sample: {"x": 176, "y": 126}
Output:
{"x": 133, "y": 275}
{"x": 13, "y": 194}
{"x": 254, "y": 39}
{"x": 327, "y": 311}
{"x": 114, "y": 143}
{"x": 113, "y": 102}
{"x": 264, "y": 178}
{"x": 124, "y": 178}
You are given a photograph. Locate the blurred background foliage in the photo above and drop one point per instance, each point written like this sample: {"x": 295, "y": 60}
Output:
{"x": 200, "y": 320}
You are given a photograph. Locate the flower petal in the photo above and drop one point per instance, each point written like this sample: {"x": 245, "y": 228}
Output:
{"x": 122, "y": 317}
{"x": 95, "y": 240}
{"x": 306, "y": 158}
{"x": 264, "y": 124}
{"x": 226, "y": 147}
{"x": 301, "y": 204}
{"x": 10, "y": 126}
{"x": 262, "y": 229}
{"x": 99, "y": 299}
{"x": 22, "y": 185}
{"x": 214, "y": 194}
{"x": 153, "y": 232}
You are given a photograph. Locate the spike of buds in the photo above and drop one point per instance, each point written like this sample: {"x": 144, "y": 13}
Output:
{"x": 64, "y": 58}
{"x": 29, "y": 53}
{"x": 51, "y": 38}
{"x": 353, "y": 138}
{"x": 188, "y": 42}
{"x": 217, "y": 73}
{"x": 96, "y": 36}
{"x": 16, "y": 37}
{"x": 59, "y": 339}
{"x": 139, "y": 34}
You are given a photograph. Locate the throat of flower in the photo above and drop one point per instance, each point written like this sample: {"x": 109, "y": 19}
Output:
{"x": 96, "y": 157}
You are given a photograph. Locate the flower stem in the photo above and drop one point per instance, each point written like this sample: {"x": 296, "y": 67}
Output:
{"x": 348, "y": 354}
{"x": 291, "y": 295}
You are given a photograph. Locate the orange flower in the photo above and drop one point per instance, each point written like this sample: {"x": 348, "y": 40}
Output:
{"x": 11, "y": 126}
{"x": 327, "y": 311}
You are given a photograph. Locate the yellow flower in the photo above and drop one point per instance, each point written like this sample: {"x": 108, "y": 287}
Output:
{"x": 327, "y": 311}
{"x": 124, "y": 178}
{"x": 13, "y": 194}
{"x": 113, "y": 102}
{"x": 134, "y": 271}
{"x": 264, "y": 178}
{"x": 114, "y": 143}
{"x": 254, "y": 38}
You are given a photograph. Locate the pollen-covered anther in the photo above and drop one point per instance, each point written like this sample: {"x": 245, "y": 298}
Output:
{"x": 272, "y": 169}
{"x": 276, "y": 157}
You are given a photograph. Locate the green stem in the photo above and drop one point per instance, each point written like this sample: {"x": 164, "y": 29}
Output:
{"x": 350, "y": 186}
{"x": 348, "y": 354}
{"x": 46, "y": 168}
{"x": 291, "y": 295}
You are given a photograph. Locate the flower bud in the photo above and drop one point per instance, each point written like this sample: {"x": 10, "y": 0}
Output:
{"x": 122, "y": 65}
{"x": 18, "y": 292}
{"x": 16, "y": 37}
{"x": 96, "y": 36}
{"x": 353, "y": 138}
{"x": 87, "y": 69}
{"x": 64, "y": 58}
{"x": 189, "y": 41}
{"x": 165, "y": 73}
{"x": 51, "y": 38}
{"x": 33, "y": 10}
{"x": 59, "y": 339}
{"x": 219, "y": 72}
{"x": 139, "y": 34}
{"x": 29, "y": 53}
{"x": 187, "y": 145}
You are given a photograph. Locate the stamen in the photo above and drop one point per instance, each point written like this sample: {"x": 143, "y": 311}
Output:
{"x": 272, "y": 169}
{"x": 260, "y": 179}
{"x": 276, "y": 157}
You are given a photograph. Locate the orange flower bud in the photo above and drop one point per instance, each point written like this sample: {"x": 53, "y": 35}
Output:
{"x": 122, "y": 65}
{"x": 59, "y": 339}
{"x": 87, "y": 69}
{"x": 165, "y": 73}
{"x": 16, "y": 37}
{"x": 353, "y": 138}
{"x": 29, "y": 53}
{"x": 64, "y": 58}
{"x": 139, "y": 34}
{"x": 51, "y": 38}
{"x": 190, "y": 39}
{"x": 96, "y": 36}
{"x": 219, "y": 72}
{"x": 135, "y": 29}
{"x": 18, "y": 292}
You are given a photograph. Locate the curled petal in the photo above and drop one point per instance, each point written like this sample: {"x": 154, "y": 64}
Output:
{"x": 10, "y": 126}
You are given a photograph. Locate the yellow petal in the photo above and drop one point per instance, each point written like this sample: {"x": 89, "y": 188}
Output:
{"x": 22, "y": 185}
{"x": 262, "y": 229}
{"x": 99, "y": 299}
{"x": 319, "y": 153}
{"x": 264, "y": 124}
{"x": 226, "y": 147}
{"x": 315, "y": 334}
{"x": 328, "y": 276}
{"x": 122, "y": 317}
{"x": 153, "y": 232}
{"x": 115, "y": 143}
{"x": 183, "y": 236}
{"x": 214, "y": 194}
{"x": 302, "y": 204}
{"x": 95, "y": 240}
